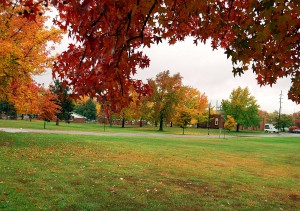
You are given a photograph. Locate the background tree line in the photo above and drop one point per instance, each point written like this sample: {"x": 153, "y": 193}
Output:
{"x": 169, "y": 103}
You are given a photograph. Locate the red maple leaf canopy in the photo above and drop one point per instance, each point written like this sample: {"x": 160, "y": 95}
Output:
{"x": 110, "y": 35}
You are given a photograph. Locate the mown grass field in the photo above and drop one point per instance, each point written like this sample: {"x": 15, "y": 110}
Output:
{"x": 68, "y": 172}
{"x": 96, "y": 127}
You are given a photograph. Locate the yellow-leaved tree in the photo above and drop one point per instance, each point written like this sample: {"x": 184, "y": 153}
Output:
{"x": 230, "y": 123}
{"x": 24, "y": 48}
{"x": 193, "y": 102}
{"x": 191, "y": 107}
{"x": 25, "y": 97}
{"x": 183, "y": 117}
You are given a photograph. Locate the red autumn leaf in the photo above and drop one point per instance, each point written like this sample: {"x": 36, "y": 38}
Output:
{"x": 108, "y": 34}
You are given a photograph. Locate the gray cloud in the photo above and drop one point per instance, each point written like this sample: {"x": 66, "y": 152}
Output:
{"x": 211, "y": 72}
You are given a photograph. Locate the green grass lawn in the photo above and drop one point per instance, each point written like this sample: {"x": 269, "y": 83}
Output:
{"x": 68, "y": 172}
{"x": 96, "y": 127}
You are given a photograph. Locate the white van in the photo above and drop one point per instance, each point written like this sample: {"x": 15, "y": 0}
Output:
{"x": 269, "y": 128}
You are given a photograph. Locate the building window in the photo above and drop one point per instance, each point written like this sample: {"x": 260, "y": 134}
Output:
{"x": 217, "y": 121}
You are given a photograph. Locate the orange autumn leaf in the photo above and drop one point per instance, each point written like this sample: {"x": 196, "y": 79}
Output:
{"x": 24, "y": 48}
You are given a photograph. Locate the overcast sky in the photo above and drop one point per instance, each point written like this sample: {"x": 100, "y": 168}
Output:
{"x": 210, "y": 72}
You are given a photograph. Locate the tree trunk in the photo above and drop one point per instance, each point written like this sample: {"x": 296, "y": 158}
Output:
{"x": 171, "y": 124}
{"x": 238, "y": 128}
{"x": 123, "y": 122}
{"x": 104, "y": 125}
{"x": 44, "y": 124}
{"x": 161, "y": 122}
{"x": 182, "y": 130}
{"x": 141, "y": 123}
{"x": 57, "y": 122}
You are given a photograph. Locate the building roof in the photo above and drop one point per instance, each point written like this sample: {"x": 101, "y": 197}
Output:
{"x": 77, "y": 116}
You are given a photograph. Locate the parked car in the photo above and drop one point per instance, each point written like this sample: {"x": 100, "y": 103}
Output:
{"x": 294, "y": 129}
{"x": 269, "y": 128}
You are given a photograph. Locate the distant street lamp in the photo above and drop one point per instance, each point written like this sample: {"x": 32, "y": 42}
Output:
{"x": 220, "y": 111}
{"x": 208, "y": 119}
{"x": 104, "y": 122}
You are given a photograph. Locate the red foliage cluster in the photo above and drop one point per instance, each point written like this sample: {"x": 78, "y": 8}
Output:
{"x": 109, "y": 35}
{"x": 48, "y": 105}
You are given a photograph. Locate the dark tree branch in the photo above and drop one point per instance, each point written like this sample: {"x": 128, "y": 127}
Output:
{"x": 83, "y": 56}
{"x": 230, "y": 7}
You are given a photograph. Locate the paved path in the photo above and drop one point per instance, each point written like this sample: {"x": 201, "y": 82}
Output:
{"x": 21, "y": 130}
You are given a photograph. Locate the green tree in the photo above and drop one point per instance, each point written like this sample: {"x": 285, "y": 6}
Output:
{"x": 286, "y": 120}
{"x": 8, "y": 109}
{"x": 242, "y": 107}
{"x": 273, "y": 118}
{"x": 87, "y": 109}
{"x": 165, "y": 96}
{"x": 64, "y": 100}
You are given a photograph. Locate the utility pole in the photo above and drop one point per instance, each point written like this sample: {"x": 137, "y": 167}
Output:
{"x": 279, "y": 113}
{"x": 208, "y": 120}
